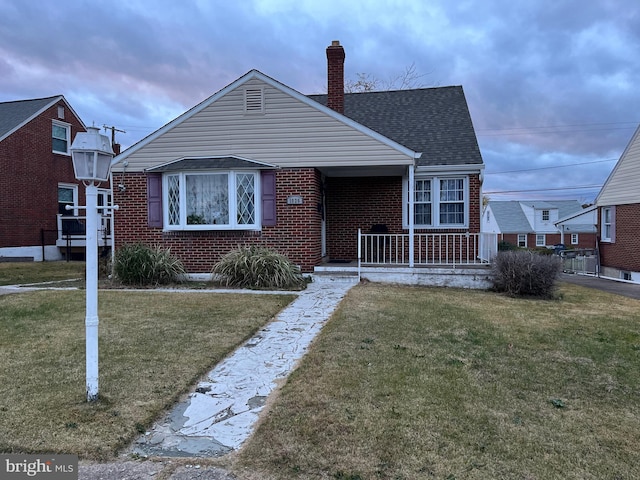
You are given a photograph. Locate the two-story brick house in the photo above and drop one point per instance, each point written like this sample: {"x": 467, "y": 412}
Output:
{"x": 37, "y": 180}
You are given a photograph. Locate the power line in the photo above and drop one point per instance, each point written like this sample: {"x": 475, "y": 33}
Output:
{"x": 551, "y": 132}
{"x": 580, "y": 187}
{"x": 631, "y": 123}
{"x": 553, "y": 166}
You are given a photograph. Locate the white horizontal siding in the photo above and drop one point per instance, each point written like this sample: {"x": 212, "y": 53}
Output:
{"x": 489, "y": 223}
{"x": 622, "y": 185}
{"x": 289, "y": 134}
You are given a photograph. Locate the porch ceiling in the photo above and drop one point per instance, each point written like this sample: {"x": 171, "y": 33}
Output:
{"x": 366, "y": 171}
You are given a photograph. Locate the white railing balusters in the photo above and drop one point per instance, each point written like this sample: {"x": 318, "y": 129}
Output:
{"x": 449, "y": 249}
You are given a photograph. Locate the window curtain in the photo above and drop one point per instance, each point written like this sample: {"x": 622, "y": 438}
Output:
{"x": 208, "y": 199}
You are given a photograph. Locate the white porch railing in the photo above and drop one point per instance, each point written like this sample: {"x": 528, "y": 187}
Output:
{"x": 450, "y": 249}
{"x": 72, "y": 231}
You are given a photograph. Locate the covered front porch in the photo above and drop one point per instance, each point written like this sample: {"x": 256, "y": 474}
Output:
{"x": 405, "y": 224}
{"x": 446, "y": 260}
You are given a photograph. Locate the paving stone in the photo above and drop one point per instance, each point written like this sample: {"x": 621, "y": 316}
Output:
{"x": 221, "y": 413}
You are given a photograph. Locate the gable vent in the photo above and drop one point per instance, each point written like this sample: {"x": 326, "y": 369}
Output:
{"x": 253, "y": 100}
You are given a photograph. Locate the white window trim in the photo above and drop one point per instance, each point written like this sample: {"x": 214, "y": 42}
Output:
{"x": 74, "y": 188}
{"x": 67, "y": 127}
{"x": 544, "y": 240}
{"x": 435, "y": 201}
{"x": 574, "y": 239}
{"x": 603, "y": 237}
{"x": 548, "y": 215}
{"x": 518, "y": 240}
{"x": 183, "y": 226}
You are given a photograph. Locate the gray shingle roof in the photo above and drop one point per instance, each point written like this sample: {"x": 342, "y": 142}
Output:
{"x": 565, "y": 207}
{"x": 209, "y": 163}
{"x": 434, "y": 121}
{"x": 13, "y": 114}
{"x": 510, "y": 217}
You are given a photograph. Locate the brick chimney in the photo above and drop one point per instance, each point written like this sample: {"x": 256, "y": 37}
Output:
{"x": 335, "y": 77}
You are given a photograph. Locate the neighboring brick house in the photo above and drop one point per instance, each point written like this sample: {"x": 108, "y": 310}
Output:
{"x": 260, "y": 163}
{"x": 619, "y": 217}
{"x": 535, "y": 223}
{"x": 36, "y": 176}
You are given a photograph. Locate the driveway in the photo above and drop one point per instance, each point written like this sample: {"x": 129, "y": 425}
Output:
{"x": 631, "y": 290}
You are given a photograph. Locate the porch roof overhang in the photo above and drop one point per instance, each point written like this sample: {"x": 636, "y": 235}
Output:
{"x": 459, "y": 169}
{"x": 365, "y": 171}
{"x": 399, "y": 170}
{"x": 231, "y": 162}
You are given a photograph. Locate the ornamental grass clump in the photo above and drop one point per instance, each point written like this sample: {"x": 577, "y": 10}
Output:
{"x": 525, "y": 273}
{"x": 142, "y": 265}
{"x": 258, "y": 267}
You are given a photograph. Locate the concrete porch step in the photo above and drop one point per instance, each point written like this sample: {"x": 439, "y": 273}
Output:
{"x": 335, "y": 276}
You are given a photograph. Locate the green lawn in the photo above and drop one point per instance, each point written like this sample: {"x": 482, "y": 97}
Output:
{"x": 14, "y": 273}
{"x": 153, "y": 348}
{"x": 412, "y": 383}
{"x": 402, "y": 383}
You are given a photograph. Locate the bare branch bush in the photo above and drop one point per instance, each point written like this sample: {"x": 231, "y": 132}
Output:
{"x": 367, "y": 82}
{"x": 525, "y": 273}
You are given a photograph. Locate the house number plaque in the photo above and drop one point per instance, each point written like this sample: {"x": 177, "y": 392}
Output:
{"x": 294, "y": 200}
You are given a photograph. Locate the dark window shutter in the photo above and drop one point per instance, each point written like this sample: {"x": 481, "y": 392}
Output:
{"x": 154, "y": 199}
{"x": 268, "y": 179}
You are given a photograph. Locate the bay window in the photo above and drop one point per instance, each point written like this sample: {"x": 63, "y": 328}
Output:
{"x": 439, "y": 202}
{"x": 221, "y": 200}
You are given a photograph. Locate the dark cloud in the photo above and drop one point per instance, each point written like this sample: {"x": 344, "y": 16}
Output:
{"x": 548, "y": 82}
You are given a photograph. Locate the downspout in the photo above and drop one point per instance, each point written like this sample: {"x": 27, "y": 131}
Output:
{"x": 411, "y": 213}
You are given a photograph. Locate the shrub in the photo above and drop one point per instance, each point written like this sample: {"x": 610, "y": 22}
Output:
{"x": 258, "y": 267}
{"x": 525, "y": 273}
{"x": 544, "y": 251}
{"x": 139, "y": 264}
{"x": 506, "y": 246}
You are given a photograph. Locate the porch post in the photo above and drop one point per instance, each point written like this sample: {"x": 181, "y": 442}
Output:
{"x": 411, "y": 214}
{"x": 359, "y": 254}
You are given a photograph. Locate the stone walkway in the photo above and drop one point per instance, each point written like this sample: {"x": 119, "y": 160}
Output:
{"x": 220, "y": 415}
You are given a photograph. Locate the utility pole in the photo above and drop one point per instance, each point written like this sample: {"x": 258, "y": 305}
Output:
{"x": 113, "y": 133}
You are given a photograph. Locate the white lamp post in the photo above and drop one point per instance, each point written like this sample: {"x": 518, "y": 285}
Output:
{"x": 91, "y": 154}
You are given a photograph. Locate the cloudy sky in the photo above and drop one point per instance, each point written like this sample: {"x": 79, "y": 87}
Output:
{"x": 550, "y": 83}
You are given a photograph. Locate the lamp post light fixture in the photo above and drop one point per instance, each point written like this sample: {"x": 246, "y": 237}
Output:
{"x": 91, "y": 154}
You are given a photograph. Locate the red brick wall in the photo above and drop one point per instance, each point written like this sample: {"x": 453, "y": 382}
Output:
{"x": 351, "y": 203}
{"x": 360, "y": 203}
{"x": 585, "y": 240}
{"x": 29, "y": 177}
{"x": 335, "y": 77}
{"x": 475, "y": 202}
{"x": 296, "y": 235}
{"x": 624, "y": 254}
